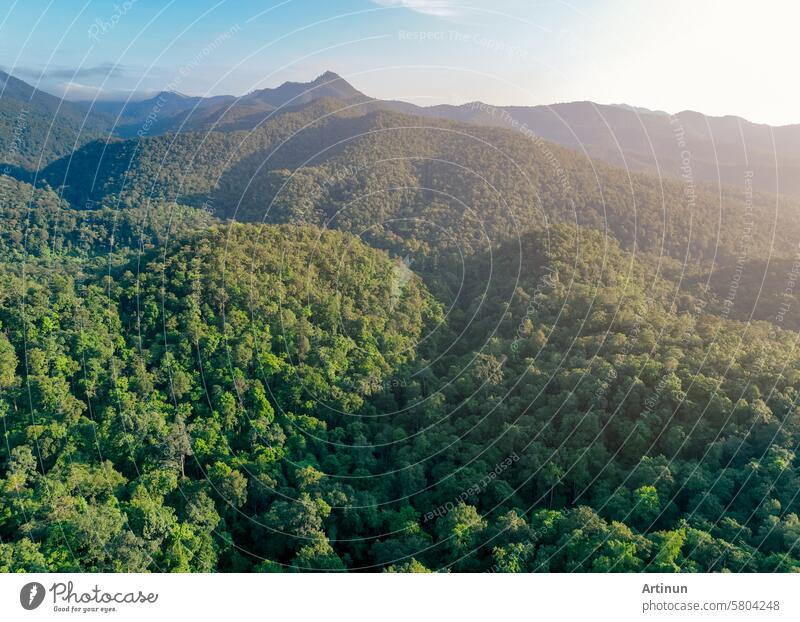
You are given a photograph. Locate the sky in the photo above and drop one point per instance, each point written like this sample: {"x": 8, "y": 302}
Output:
{"x": 719, "y": 58}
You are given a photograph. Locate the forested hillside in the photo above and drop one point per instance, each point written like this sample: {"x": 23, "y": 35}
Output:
{"x": 440, "y": 183}
{"x": 170, "y": 112}
{"x": 724, "y": 150}
{"x": 352, "y": 339}
{"x": 37, "y": 128}
{"x": 253, "y": 397}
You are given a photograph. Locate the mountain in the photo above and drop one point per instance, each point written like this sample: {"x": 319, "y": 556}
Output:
{"x": 251, "y": 397}
{"x": 396, "y": 177}
{"x": 727, "y": 150}
{"x": 257, "y": 107}
{"x": 328, "y": 84}
{"x": 432, "y": 345}
{"x": 717, "y": 150}
{"x": 688, "y": 145}
{"x": 166, "y": 111}
{"x": 173, "y": 112}
{"x": 167, "y": 103}
{"x": 36, "y": 128}
{"x": 432, "y": 189}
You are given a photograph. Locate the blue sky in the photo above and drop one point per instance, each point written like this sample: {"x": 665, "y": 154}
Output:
{"x": 716, "y": 57}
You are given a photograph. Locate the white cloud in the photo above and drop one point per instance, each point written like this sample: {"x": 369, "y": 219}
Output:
{"x": 75, "y": 91}
{"x": 103, "y": 70}
{"x": 439, "y": 8}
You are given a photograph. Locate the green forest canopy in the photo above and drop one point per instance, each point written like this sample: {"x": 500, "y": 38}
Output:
{"x": 538, "y": 383}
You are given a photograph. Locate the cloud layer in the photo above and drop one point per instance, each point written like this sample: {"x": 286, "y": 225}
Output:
{"x": 103, "y": 70}
{"x": 439, "y": 8}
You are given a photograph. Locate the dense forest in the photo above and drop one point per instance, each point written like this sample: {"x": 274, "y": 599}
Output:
{"x": 351, "y": 167}
{"x": 351, "y": 339}
{"x": 37, "y": 128}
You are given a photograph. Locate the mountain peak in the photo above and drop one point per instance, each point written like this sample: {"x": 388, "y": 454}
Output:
{"x": 328, "y": 84}
{"x": 171, "y": 93}
{"x": 327, "y": 76}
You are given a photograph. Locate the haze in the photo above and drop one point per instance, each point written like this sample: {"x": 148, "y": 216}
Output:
{"x": 718, "y": 58}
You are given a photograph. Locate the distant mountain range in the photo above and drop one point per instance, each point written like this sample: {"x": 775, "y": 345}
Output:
{"x": 284, "y": 344}
{"x": 175, "y": 112}
{"x": 727, "y": 150}
{"x": 701, "y": 149}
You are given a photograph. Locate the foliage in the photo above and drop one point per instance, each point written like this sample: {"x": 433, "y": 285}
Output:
{"x": 415, "y": 364}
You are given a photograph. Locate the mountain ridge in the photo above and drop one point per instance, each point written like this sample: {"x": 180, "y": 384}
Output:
{"x": 727, "y": 150}
{"x": 37, "y": 127}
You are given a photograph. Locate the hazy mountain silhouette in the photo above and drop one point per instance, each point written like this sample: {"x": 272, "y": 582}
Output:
{"x": 172, "y": 112}
{"x": 729, "y": 150}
